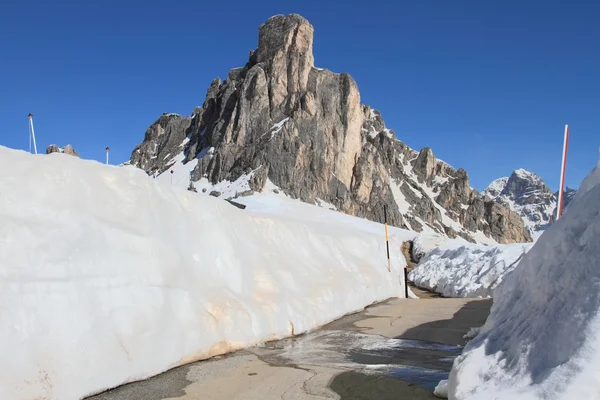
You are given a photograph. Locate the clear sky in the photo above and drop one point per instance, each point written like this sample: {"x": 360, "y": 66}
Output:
{"x": 488, "y": 85}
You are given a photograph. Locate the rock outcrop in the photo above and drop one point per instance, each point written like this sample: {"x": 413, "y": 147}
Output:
{"x": 68, "y": 149}
{"x": 281, "y": 121}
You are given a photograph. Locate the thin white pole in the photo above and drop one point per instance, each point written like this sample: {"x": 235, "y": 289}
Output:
{"x": 562, "y": 173}
{"x": 107, "y": 150}
{"x": 32, "y": 132}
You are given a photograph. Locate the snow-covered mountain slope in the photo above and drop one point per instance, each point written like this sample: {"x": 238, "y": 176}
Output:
{"x": 542, "y": 338}
{"x": 467, "y": 270}
{"x": 101, "y": 266}
{"x": 496, "y": 187}
{"x": 525, "y": 193}
{"x": 280, "y": 120}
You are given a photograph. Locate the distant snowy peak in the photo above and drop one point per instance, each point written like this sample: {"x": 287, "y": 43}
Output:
{"x": 496, "y": 187}
{"x": 527, "y": 175}
{"x": 527, "y": 194}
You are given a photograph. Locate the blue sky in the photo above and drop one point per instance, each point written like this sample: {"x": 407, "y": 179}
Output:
{"x": 488, "y": 85}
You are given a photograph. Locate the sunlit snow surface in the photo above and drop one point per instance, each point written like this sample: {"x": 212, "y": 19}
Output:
{"x": 467, "y": 270}
{"x": 108, "y": 275}
{"x": 542, "y": 339}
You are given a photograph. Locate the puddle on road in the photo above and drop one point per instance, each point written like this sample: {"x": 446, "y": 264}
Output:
{"x": 418, "y": 362}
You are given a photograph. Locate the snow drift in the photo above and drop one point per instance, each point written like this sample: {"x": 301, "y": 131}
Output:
{"x": 467, "y": 270}
{"x": 109, "y": 276}
{"x": 542, "y": 339}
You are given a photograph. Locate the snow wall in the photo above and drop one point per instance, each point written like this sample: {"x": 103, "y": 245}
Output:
{"x": 109, "y": 276}
{"x": 467, "y": 270}
{"x": 542, "y": 339}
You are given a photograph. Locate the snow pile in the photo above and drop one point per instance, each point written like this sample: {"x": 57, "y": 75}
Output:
{"x": 423, "y": 244}
{"x": 467, "y": 270}
{"x": 108, "y": 271}
{"x": 441, "y": 390}
{"x": 542, "y": 339}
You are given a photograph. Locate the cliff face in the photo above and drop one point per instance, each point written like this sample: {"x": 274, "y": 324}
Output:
{"x": 303, "y": 129}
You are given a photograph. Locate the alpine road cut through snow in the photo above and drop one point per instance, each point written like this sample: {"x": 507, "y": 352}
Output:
{"x": 542, "y": 339}
{"x": 110, "y": 276}
{"x": 467, "y": 270}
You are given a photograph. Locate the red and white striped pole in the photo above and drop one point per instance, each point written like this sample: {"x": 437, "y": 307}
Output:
{"x": 32, "y": 134}
{"x": 562, "y": 173}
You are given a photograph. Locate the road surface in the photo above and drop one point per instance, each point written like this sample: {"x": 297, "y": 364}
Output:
{"x": 398, "y": 349}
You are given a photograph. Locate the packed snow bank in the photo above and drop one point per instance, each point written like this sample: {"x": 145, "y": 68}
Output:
{"x": 468, "y": 270}
{"x": 108, "y": 271}
{"x": 542, "y": 339}
{"x": 424, "y": 243}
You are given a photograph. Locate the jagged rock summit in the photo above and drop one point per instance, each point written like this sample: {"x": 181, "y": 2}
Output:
{"x": 281, "y": 124}
{"x": 68, "y": 149}
{"x": 526, "y": 193}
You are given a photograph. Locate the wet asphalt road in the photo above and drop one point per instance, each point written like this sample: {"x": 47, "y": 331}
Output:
{"x": 399, "y": 349}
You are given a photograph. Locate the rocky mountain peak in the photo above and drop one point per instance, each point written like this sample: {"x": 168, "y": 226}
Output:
{"x": 496, "y": 187}
{"x": 281, "y": 124}
{"x": 68, "y": 149}
{"x": 525, "y": 193}
{"x": 526, "y": 188}
{"x": 285, "y": 35}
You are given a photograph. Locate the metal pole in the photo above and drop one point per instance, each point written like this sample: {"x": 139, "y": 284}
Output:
{"x": 387, "y": 240}
{"x": 32, "y": 132}
{"x": 107, "y": 150}
{"x": 405, "y": 282}
{"x": 563, "y": 171}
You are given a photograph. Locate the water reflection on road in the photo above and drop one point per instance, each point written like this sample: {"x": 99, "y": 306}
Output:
{"x": 418, "y": 362}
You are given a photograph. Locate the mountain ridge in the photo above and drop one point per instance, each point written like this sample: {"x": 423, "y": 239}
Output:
{"x": 280, "y": 123}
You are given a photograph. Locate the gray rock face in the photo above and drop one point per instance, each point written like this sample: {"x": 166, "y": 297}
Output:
{"x": 53, "y": 149}
{"x": 68, "y": 149}
{"x": 162, "y": 142}
{"x": 568, "y": 196}
{"x": 303, "y": 129}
